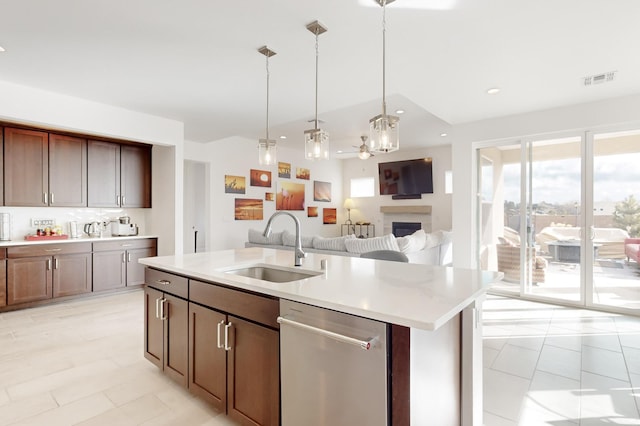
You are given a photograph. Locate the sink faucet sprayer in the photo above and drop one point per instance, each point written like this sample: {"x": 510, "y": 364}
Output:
{"x": 299, "y": 254}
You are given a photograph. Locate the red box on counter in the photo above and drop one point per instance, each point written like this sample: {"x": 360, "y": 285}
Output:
{"x": 46, "y": 237}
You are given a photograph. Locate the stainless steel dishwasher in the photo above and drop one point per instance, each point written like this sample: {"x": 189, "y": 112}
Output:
{"x": 333, "y": 367}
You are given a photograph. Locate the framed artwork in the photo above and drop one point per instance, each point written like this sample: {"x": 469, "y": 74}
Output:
{"x": 268, "y": 196}
{"x": 321, "y": 191}
{"x": 290, "y": 196}
{"x": 248, "y": 209}
{"x": 260, "y": 178}
{"x": 329, "y": 216}
{"x": 284, "y": 170}
{"x": 302, "y": 173}
{"x": 312, "y": 212}
{"x": 234, "y": 184}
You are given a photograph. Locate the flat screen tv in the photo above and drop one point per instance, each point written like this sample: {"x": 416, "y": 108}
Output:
{"x": 408, "y": 177}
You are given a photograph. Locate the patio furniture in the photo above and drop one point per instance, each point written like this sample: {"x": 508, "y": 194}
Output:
{"x": 509, "y": 263}
{"x": 632, "y": 249}
{"x": 568, "y": 251}
{"x": 611, "y": 240}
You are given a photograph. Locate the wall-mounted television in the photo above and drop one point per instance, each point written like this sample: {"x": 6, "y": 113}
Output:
{"x": 408, "y": 177}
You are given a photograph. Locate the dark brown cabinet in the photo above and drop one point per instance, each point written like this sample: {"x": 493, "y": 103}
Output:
{"x": 41, "y": 272}
{"x": 166, "y": 324}
{"x": 234, "y": 361}
{"x": 115, "y": 263}
{"x": 44, "y": 169}
{"x": 3, "y": 277}
{"x": 119, "y": 175}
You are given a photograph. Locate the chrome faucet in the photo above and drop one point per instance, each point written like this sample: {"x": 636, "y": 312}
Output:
{"x": 298, "y": 253}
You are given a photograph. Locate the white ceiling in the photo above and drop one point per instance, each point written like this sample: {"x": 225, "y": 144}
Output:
{"x": 196, "y": 60}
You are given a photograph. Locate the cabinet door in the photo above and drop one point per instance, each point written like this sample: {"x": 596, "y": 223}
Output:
{"x": 3, "y": 283}
{"x": 176, "y": 334}
{"x": 153, "y": 327}
{"x": 103, "y": 174}
{"x": 67, "y": 171}
{"x": 29, "y": 279}
{"x": 135, "y": 270}
{"x": 71, "y": 274}
{"x": 135, "y": 172}
{"x": 207, "y": 362}
{"x": 2, "y": 165}
{"x": 109, "y": 269}
{"x": 253, "y": 374}
{"x": 26, "y": 175}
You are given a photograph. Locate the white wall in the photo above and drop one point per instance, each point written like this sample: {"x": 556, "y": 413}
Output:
{"x": 236, "y": 156}
{"x": 368, "y": 209}
{"x": 603, "y": 115}
{"x": 39, "y": 108}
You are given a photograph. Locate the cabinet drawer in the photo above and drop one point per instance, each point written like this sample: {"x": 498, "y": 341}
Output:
{"x": 47, "y": 249}
{"x": 124, "y": 244}
{"x": 246, "y": 305}
{"x": 167, "y": 283}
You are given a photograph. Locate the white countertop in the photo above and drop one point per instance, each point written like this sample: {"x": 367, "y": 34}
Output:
{"x": 14, "y": 243}
{"x": 408, "y": 294}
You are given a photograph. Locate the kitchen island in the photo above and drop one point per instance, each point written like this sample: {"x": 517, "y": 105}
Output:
{"x": 433, "y": 339}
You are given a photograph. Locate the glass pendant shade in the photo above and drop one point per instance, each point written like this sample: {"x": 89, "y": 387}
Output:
{"x": 267, "y": 151}
{"x": 316, "y": 144}
{"x": 384, "y": 133}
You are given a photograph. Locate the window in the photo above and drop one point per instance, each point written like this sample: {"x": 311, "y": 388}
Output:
{"x": 362, "y": 187}
{"x": 448, "y": 182}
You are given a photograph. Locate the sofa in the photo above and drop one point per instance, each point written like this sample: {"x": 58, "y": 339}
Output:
{"x": 611, "y": 241}
{"x": 632, "y": 249}
{"x": 509, "y": 263}
{"x": 420, "y": 247}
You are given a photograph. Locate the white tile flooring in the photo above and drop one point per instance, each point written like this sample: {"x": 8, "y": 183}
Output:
{"x": 81, "y": 363}
{"x": 552, "y": 365}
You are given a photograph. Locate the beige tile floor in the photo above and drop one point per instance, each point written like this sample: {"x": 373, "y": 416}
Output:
{"x": 81, "y": 363}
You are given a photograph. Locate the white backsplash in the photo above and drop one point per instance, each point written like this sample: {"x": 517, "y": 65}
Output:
{"x": 21, "y": 218}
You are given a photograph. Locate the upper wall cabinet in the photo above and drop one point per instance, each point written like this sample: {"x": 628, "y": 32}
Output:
{"x": 2, "y": 165}
{"x": 119, "y": 175}
{"x": 42, "y": 169}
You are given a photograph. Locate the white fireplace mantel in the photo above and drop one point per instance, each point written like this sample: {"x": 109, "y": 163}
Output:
{"x": 406, "y": 213}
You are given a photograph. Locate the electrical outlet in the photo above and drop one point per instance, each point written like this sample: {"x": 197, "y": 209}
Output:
{"x": 37, "y": 223}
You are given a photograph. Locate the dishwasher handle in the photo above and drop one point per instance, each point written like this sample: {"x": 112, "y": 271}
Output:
{"x": 363, "y": 344}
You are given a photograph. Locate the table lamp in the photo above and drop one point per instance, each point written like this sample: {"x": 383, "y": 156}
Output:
{"x": 348, "y": 204}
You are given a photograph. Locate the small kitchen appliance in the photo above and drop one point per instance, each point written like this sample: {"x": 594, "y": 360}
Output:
{"x": 123, "y": 227}
{"x": 92, "y": 229}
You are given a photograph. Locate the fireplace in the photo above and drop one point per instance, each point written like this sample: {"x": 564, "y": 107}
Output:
{"x": 400, "y": 229}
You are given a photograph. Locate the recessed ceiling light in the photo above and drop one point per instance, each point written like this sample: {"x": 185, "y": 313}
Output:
{"x": 339, "y": 151}
{"x": 2, "y": 49}
{"x": 443, "y": 135}
{"x": 399, "y": 111}
{"x": 493, "y": 91}
{"x": 283, "y": 137}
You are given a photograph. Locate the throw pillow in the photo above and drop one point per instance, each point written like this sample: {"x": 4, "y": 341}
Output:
{"x": 334, "y": 243}
{"x": 358, "y": 245}
{"x": 412, "y": 243}
{"x": 256, "y": 237}
{"x": 289, "y": 239}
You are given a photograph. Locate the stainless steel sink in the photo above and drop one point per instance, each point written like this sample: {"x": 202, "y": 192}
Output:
{"x": 274, "y": 275}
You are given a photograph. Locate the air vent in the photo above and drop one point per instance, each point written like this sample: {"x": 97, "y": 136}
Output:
{"x": 600, "y": 78}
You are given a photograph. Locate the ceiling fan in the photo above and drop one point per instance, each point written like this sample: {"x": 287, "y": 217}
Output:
{"x": 363, "y": 150}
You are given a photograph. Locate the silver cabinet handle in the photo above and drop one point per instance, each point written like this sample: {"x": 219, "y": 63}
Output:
{"x": 220, "y": 345}
{"x": 123, "y": 198}
{"x": 126, "y": 245}
{"x": 124, "y": 259}
{"x": 48, "y": 264}
{"x": 163, "y": 282}
{"x": 226, "y": 337}
{"x": 56, "y": 263}
{"x": 128, "y": 257}
{"x": 163, "y": 315}
{"x": 363, "y": 344}
{"x": 117, "y": 200}
{"x": 52, "y": 250}
{"x": 51, "y": 197}
{"x": 158, "y": 307}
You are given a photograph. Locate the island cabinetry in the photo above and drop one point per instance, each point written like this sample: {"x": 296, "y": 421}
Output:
{"x": 234, "y": 352}
{"x": 115, "y": 263}
{"x": 3, "y": 277}
{"x": 43, "y": 169}
{"x": 166, "y": 323}
{"x": 41, "y": 272}
{"x": 119, "y": 175}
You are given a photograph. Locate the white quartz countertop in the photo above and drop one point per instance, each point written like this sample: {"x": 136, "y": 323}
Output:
{"x": 14, "y": 243}
{"x": 408, "y": 294}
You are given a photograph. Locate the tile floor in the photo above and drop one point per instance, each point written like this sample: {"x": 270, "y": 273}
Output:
{"x": 81, "y": 363}
{"x": 551, "y": 365}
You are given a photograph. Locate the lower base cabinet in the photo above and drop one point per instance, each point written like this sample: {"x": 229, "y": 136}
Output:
{"x": 115, "y": 263}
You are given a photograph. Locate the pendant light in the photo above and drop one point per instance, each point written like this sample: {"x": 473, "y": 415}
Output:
{"x": 316, "y": 140}
{"x": 267, "y": 147}
{"x": 384, "y": 135}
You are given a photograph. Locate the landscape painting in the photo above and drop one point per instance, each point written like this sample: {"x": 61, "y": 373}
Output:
{"x": 284, "y": 170}
{"x": 312, "y": 212}
{"x": 329, "y": 216}
{"x": 248, "y": 209}
{"x": 302, "y": 173}
{"x": 260, "y": 178}
{"x": 290, "y": 196}
{"x": 234, "y": 184}
{"x": 321, "y": 191}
